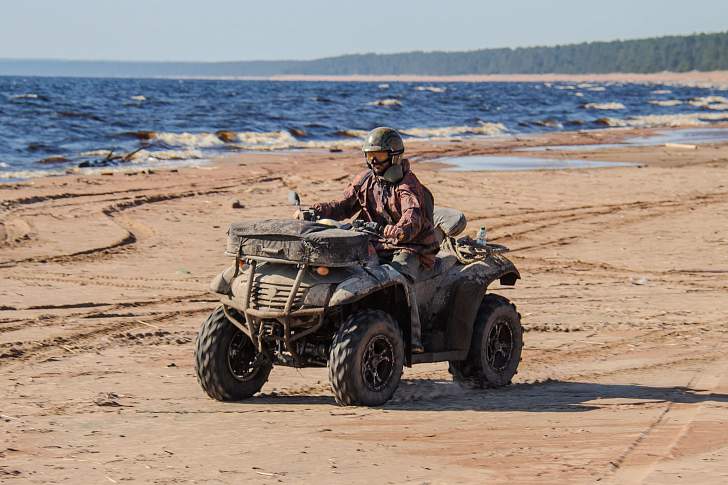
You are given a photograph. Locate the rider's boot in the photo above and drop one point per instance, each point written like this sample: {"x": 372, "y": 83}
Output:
{"x": 417, "y": 347}
{"x": 416, "y": 329}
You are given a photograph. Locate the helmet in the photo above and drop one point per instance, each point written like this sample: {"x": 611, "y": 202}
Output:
{"x": 384, "y": 139}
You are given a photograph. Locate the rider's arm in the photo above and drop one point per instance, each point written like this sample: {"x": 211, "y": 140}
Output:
{"x": 340, "y": 209}
{"x": 412, "y": 218}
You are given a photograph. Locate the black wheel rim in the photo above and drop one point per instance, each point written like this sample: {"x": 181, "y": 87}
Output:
{"x": 241, "y": 357}
{"x": 499, "y": 346}
{"x": 378, "y": 363}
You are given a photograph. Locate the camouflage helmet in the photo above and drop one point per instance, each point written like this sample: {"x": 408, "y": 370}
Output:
{"x": 384, "y": 139}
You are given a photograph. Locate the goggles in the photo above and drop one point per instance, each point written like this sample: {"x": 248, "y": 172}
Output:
{"x": 377, "y": 158}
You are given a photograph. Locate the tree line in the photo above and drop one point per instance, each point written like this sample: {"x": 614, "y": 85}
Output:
{"x": 700, "y": 52}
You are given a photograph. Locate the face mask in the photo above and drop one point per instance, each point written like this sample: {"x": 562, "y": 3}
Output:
{"x": 394, "y": 174}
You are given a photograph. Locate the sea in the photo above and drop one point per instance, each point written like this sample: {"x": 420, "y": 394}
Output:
{"x": 55, "y": 125}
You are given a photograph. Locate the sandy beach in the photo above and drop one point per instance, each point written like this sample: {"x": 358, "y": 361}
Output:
{"x": 624, "y": 298}
{"x": 690, "y": 78}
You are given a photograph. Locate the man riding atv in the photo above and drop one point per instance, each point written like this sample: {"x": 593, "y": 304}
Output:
{"x": 390, "y": 194}
{"x": 360, "y": 298}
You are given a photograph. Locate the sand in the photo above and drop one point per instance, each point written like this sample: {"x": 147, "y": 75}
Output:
{"x": 718, "y": 79}
{"x": 624, "y": 301}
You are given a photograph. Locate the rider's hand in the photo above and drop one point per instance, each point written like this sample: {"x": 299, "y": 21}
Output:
{"x": 393, "y": 232}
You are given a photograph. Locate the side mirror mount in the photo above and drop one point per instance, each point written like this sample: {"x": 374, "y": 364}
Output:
{"x": 294, "y": 198}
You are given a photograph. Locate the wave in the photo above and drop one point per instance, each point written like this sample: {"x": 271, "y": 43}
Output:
{"x": 661, "y": 91}
{"x": 139, "y": 98}
{"x": 665, "y": 102}
{"x": 489, "y": 129}
{"x": 717, "y": 103}
{"x": 385, "y": 102}
{"x": 664, "y": 121}
{"x": 145, "y": 155}
{"x": 432, "y": 89}
{"x": 383, "y": 86}
{"x": 352, "y": 133}
{"x": 29, "y": 96}
{"x": 4, "y": 165}
{"x": 189, "y": 139}
{"x": 604, "y": 106}
{"x": 26, "y": 174}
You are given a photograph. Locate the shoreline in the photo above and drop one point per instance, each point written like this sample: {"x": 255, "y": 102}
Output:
{"x": 718, "y": 79}
{"x": 697, "y": 78}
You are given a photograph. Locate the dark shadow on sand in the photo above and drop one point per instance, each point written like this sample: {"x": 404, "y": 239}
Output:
{"x": 547, "y": 396}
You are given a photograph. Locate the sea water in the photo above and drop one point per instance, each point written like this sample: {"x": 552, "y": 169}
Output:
{"x": 48, "y": 125}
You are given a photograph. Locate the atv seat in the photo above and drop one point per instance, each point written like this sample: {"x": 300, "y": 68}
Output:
{"x": 443, "y": 262}
{"x": 448, "y": 222}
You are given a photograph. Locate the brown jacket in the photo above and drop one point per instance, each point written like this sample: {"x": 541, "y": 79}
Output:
{"x": 401, "y": 205}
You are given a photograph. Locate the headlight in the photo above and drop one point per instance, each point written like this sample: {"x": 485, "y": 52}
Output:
{"x": 318, "y": 295}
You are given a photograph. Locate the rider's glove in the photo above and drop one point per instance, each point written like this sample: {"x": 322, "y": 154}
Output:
{"x": 395, "y": 233}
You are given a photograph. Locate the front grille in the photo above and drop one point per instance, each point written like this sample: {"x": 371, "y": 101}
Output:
{"x": 273, "y": 296}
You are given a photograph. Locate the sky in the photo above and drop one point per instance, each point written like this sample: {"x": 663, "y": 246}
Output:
{"x": 232, "y": 30}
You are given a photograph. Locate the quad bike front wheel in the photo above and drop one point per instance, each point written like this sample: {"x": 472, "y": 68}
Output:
{"x": 495, "y": 348}
{"x": 227, "y": 364}
{"x": 366, "y": 360}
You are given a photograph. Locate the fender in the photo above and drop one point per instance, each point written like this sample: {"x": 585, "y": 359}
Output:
{"x": 368, "y": 281}
{"x": 471, "y": 284}
{"x": 494, "y": 267}
{"x": 221, "y": 283}
{"x": 373, "y": 279}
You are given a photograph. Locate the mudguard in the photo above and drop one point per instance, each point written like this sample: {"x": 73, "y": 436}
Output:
{"x": 494, "y": 267}
{"x": 470, "y": 284}
{"x": 368, "y": 281}
{"x": 221, "y": 283}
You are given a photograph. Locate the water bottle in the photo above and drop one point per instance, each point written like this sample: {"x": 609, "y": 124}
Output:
{"x": 480, "y": 238}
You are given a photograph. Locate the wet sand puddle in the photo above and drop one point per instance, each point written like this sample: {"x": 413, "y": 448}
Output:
{"x": 690, "y": 136}
{"x": 511, "y": 163}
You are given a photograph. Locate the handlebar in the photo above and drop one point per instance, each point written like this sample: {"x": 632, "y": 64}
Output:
{"x": 373, "y": 228}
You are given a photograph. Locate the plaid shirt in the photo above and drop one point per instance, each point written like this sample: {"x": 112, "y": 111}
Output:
{"x": 401, "y": 205}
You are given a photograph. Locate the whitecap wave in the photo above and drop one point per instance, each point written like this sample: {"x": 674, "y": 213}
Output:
{"x": 665, "y": 121}
{"x": 272, "y": 138}
{"x": 139, "y": 98}
{"x": 95, "y": 153}
{"x": 383, "y": 86}
{"x": 666, "y": 102}
{"x": 27, "y": 174}
{"x": 661, "y": 91}
{"x": 432, "y": 89}
{"x": 151, "y": 155}
{"x": 4, "y": 165}
{"x": 385, "y": 102}
{"x": 604, "y": 106}
{"x": 189, "y": 139}
{"x": 25, "y": 96}
{"x": 489, "y": 129}
{"x": 597, "y": 89}
{"x": 706, "y": 100}
{"x": 567, "y": 87}
{"x": 717, "y": 103}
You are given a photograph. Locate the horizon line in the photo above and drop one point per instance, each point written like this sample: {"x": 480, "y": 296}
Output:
{"x": 132, "y": 61}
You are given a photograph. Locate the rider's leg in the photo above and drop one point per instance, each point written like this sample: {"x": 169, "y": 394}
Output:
{"x": 408, "y": 264}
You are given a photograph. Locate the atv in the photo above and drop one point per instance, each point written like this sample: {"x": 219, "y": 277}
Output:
{"x": 312, "y": 293}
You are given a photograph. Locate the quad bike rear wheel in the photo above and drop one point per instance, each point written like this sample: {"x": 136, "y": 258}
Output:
{"x": 366, "y": 360}
{"x": 227, "y": 364}
{"x": 495, "y": 348}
